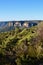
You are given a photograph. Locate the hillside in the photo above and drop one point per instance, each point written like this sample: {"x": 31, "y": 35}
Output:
{"x": 22, "y": 46}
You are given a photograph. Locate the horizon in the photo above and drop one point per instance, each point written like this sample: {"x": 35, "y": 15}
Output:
{"x": 18, "y": 20}
{"x": 21, "y": 10}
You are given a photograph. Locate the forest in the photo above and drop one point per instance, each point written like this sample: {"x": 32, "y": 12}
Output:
{"x": 22, "y": 46}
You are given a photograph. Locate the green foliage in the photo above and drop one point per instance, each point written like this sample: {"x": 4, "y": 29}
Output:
{"x": 21, "y": 46}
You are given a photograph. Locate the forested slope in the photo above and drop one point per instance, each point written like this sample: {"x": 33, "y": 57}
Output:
{"x": 22, "y": 46}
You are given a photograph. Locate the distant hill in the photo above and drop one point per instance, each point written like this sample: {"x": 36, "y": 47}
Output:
{"x": 9, "y": 25}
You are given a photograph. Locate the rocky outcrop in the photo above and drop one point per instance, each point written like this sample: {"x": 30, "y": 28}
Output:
{"x": 17, "y": 24}
{"x": 10, "y": 24}
{"x": 26, "y": 24}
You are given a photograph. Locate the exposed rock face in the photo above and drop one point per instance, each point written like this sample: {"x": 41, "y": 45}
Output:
{"x": 9, "y": 25}
{"x": 17, "y": 24}
{"x": 26, "y": 24}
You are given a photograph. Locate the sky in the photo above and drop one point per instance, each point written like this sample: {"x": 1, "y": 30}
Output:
{"x": 21, "y": 10}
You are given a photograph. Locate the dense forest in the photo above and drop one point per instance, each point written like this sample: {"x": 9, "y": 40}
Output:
{"x": 22, "y": 46}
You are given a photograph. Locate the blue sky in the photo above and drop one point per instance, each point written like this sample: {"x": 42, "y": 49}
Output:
{"x": 21, "y": 10}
